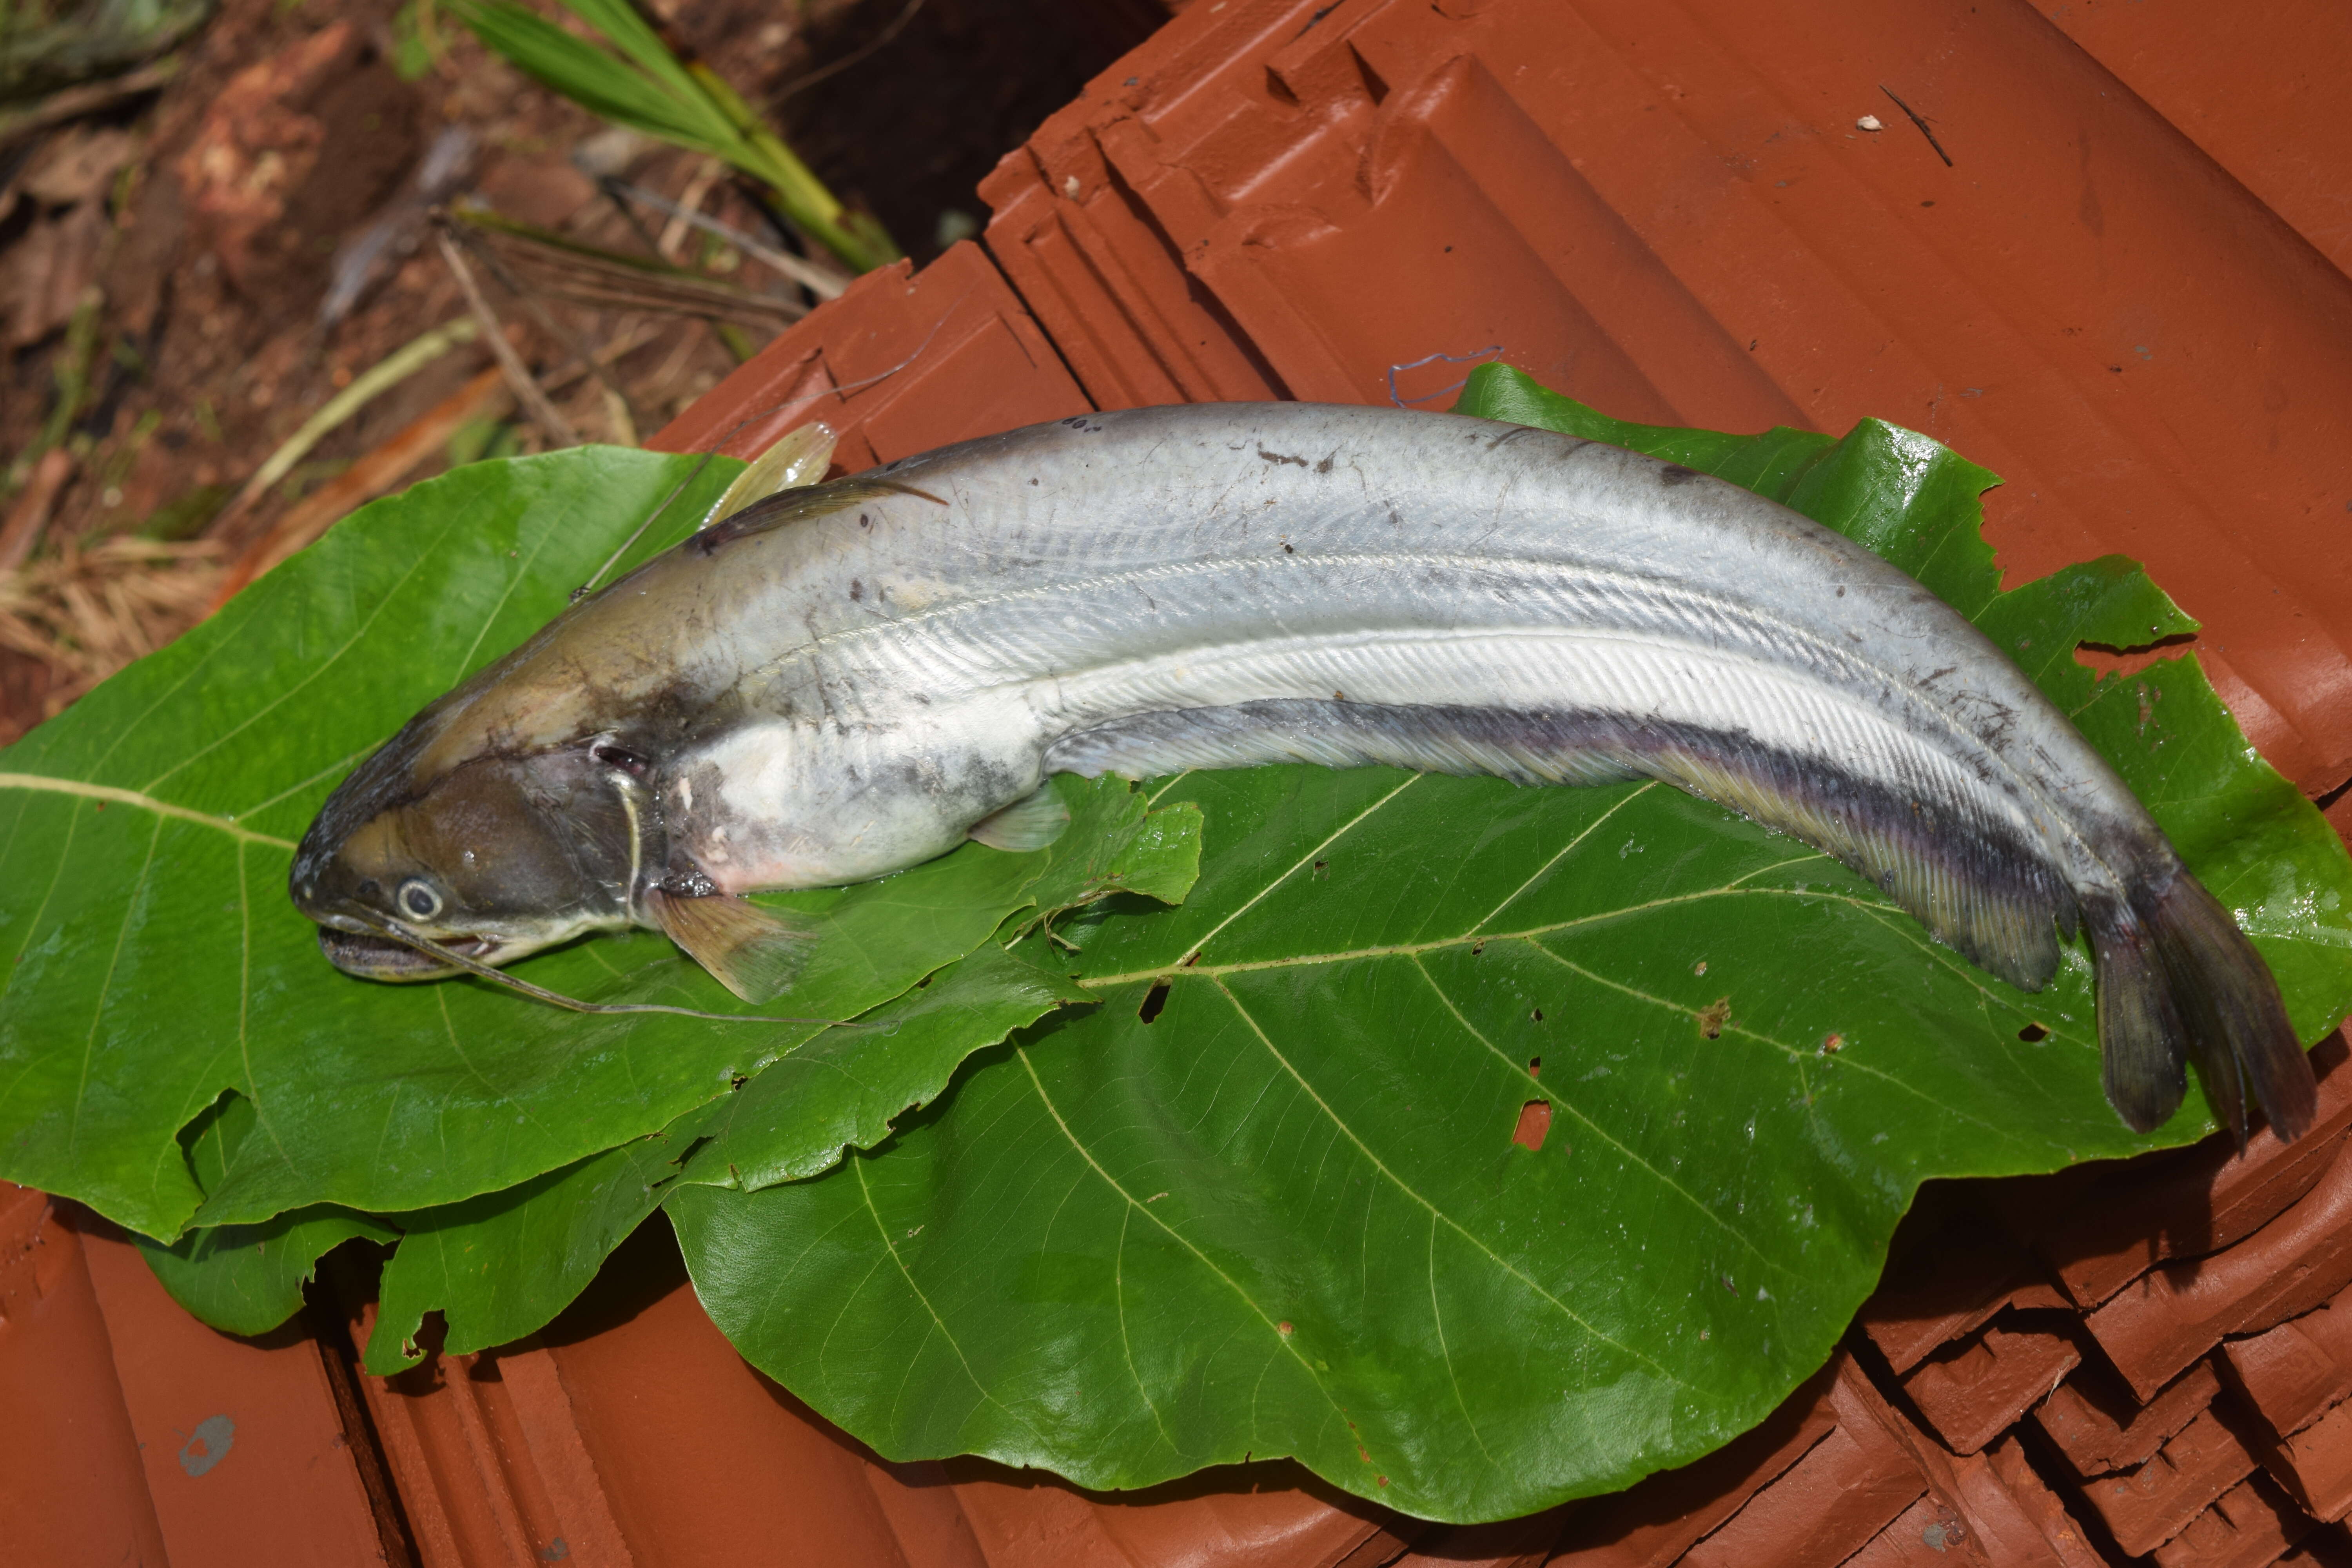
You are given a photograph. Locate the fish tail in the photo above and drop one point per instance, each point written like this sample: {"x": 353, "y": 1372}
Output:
{"x": 2177, "y": 979}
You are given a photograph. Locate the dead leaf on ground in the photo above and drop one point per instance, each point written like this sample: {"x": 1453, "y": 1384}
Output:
{"x": 42, "y": 276}
{"x": 75, "y": 166}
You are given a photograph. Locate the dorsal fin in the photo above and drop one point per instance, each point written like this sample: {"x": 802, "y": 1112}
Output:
{"x": 785, "y": 508}
{"x": 1034, "y": 821}
{"x": 752, "y": 951}
{"x": 797, "y": 459}
{"x": 788, "y": 507}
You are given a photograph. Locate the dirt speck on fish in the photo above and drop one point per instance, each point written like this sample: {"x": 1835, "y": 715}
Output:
{"x": 847, "y": 679}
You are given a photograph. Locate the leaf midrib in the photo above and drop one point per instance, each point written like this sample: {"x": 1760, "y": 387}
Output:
{"x": 114, "y": 795}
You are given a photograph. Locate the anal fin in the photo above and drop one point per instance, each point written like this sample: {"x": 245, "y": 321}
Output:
{"x": 1033, "y": 822}
{"x": 752, "y": 951}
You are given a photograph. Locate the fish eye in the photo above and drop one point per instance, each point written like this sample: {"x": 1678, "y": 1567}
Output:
{"x": 418, "y": 900}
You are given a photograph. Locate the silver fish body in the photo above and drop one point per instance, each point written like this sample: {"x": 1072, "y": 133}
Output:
{"x": 844, "y": 681}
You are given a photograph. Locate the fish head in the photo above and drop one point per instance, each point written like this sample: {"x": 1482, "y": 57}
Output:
{"x": 495, "y": 858}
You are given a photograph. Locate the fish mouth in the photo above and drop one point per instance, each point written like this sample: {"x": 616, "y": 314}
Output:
{"x": 373, "y": 957}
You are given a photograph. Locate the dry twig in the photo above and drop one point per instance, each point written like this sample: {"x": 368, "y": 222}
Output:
{"x": 527, "y": 390}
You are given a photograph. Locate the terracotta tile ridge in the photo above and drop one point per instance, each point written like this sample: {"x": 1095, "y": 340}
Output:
{"x": 1972, "y": 1390}
{"x": 2149, "y": 1505}
{"x": 2249, "y": 1525}
{"x": 2172, "y": 1315}
{"x": 2113, "y": 1222}
{"x": 2100, "y": 1427}
{"x": 2295, "y": 1372}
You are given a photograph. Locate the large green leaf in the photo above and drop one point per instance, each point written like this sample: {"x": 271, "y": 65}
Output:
{"x": 1266, "y": 1200}
{"x": 149, "y": 960}
{"x": 502, "y": 1265}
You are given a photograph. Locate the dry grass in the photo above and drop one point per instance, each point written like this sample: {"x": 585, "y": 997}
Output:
{"x": 88, "y": 613}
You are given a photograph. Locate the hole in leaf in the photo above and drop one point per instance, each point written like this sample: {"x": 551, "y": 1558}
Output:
{"x": 1714, "y": 1016}
{"x": 1322, "y": 870}
{"x": 1478, "y": 947}
{"x": 2033, "y": 1034}
{"x": 2109, "y": 658}
{"x": 1153, "y": 1000}
{"x": 1535, "y": 1066}
{"x": 1538, "y": 1015}
{"x": 1535, "y": 1121}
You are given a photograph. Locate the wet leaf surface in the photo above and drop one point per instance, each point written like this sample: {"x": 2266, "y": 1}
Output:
{"x": 1266, "y": 1200}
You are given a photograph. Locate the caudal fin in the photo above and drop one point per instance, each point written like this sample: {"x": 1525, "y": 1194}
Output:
{"x": 2178, "y": 979}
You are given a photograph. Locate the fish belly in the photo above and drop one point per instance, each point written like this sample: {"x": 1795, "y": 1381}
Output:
{"x": 785, "y": 803}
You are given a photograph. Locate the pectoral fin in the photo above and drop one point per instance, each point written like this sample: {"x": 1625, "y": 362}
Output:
{"x": 752, "y": 951}
{"x": 1032, "y": 822}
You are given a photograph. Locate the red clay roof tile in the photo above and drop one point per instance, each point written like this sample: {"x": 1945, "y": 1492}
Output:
{"x": 2292, "y": 1374}
{"x": 1928, "y": 1534}
{"x": 2146, "y": 1507}
{"x": 1829, "y": 1504}
{"x": 2117, "y": 1222}
{"x": 2168, "y": 1318}
{"x": 73, "y": 1493}
{"x": 2005, "y": 1465}
{"x": 1970, "y": 1392}
{"x": 2100, "y": 1427}
{"x": 222, "y": 1423}
{"x": 1950, "y": 1268}
{"x": 2249, "y": 1526}
{"x": 1653, "y": 1523}
{"x": 2315, "y": 1464}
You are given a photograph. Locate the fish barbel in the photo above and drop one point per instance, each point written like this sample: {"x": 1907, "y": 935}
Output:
{"x": 848, "y": 678}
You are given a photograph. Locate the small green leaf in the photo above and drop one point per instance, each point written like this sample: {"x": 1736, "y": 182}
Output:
{"x": 502, "y": 1265}
{"x": 597, "y": 82}
{"x": 844, "y": 1088}
{"x": 248, "y": 1278}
